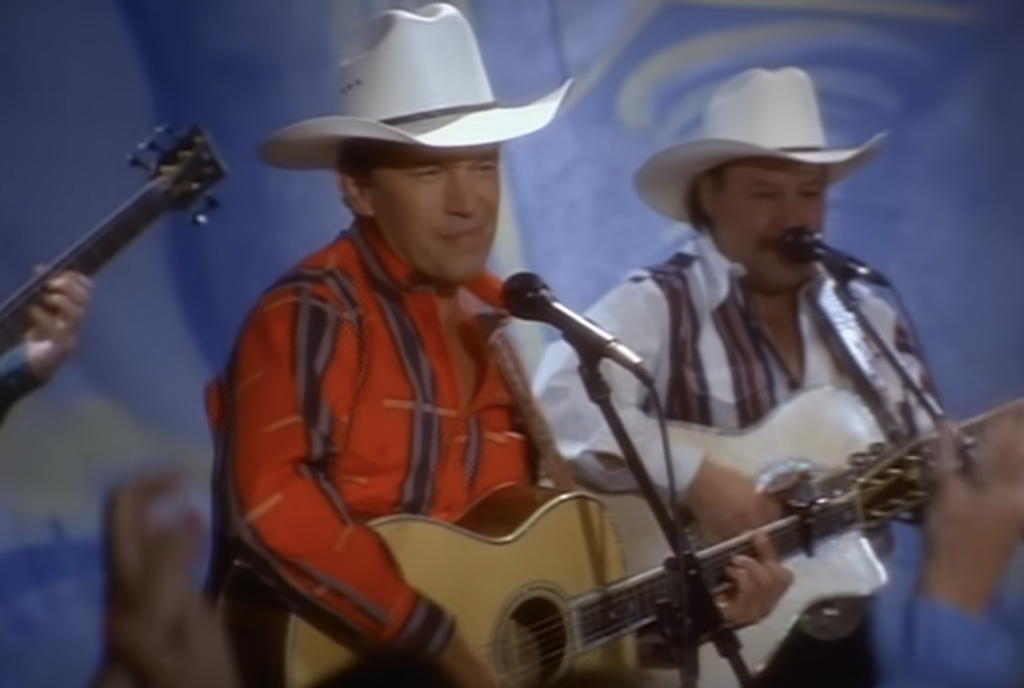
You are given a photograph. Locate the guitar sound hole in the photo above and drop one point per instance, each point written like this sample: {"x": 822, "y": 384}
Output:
{"x": 533, "y": 641}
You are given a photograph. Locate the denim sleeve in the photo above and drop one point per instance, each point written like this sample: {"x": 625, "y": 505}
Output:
{"x": 1009, "y": 606}
{"x": 16, "y": 379}
{"x": 923, "y": 642}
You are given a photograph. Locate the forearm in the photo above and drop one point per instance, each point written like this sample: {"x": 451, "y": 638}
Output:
{"x": 299, "y": 525}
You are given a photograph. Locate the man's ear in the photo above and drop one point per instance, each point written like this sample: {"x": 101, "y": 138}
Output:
{"x": 706, "y": 188}
{"x": 355, "y": 194}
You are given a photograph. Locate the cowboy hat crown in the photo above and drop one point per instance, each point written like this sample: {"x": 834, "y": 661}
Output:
{"x": 417, "y": 78}
{"x": 422, "y": 47}
{"x": 757, "y": 113}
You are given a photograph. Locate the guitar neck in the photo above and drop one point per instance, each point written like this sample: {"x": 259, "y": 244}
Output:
{"x": 629, "y": 604}
{"x": 87, "y": 256}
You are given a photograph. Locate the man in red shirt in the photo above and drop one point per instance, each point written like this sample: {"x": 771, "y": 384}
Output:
{"x": 361, "y": 385}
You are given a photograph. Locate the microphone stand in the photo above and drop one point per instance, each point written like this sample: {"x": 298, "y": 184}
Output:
{"x": 690, "y": 610}
{"x": 843, "y": 271}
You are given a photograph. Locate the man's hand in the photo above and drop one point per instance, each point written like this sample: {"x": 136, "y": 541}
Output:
{"x": 977, "y": 518}
{"x": 161, "y": 630}
{"x": 726, "y": 503}
{"x": 760, "y": 583}
{"x": 56, "y": 322}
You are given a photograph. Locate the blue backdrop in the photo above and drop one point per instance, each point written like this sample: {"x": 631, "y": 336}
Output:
{"x": 82, "y": 81}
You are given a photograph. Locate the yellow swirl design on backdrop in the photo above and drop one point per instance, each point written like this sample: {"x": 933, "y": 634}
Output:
{"x": 634, "y": 106}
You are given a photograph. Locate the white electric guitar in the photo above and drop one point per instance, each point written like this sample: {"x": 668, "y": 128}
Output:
{"x": 819, "y": 430}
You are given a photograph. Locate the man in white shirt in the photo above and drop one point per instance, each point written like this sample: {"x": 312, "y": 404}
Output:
{"x": 727, "y": 326}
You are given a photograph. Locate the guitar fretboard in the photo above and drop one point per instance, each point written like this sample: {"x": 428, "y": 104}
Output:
{"x": 632, "y": 603}
{"x": 87, "y": 255}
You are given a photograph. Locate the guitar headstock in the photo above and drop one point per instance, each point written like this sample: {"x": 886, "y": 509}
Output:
{"x": 896, "y": 483}
{"x": 187, "y": 164}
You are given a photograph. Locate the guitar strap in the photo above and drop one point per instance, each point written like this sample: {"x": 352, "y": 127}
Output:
{"x": 513, "y": 371}
{"x": 844, "y": 332}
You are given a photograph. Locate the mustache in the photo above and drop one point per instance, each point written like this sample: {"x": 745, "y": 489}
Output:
{"x": 778, "y": 241}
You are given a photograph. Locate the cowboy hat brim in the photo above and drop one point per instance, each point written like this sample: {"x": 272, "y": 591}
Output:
{"x": 313, "y": 143}
{"x": 664, "y": 179}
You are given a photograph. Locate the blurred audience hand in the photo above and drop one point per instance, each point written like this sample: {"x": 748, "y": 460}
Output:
{"x": 161, "y": 631}
{"x": 978, "y": 515}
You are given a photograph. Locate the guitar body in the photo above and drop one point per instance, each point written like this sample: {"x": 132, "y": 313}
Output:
{"x": 818, "y": 429}
{"x": 506, "y": 571}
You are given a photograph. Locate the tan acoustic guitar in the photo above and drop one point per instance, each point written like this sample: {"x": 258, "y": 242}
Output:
{"x": 536, "y": 580}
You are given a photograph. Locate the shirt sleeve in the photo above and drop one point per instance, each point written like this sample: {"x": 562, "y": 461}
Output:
{"x": 294, "y": 383}
{"x": 636, "y": 313}
{"x": 920, "y": 641}
{"x": 16, "y": 379}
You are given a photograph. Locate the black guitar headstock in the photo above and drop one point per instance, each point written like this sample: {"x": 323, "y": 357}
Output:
{"x": 187, "y": 164}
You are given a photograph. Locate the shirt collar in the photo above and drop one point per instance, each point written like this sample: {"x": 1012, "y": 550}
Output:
{"x": 719, "y": 273}
{"x": 485, "y": 287}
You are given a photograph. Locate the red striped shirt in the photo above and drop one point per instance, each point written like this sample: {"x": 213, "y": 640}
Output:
{"x": 341, "y": 405}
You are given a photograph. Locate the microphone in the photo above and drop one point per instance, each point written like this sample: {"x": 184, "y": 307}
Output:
{"x": 801, "y": 245}
{"x": 528, "y": 297}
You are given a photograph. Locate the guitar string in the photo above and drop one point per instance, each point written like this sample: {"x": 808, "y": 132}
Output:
{"x": 541, "y": 636}
{"x": 651, "y": 589}
{"x": 836, "y": 513}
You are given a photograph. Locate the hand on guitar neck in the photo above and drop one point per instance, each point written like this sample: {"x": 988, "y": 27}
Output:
{"x": 56, "y": 322}
{"x": 977, "y": 517}
{"x": 726, "y": 503}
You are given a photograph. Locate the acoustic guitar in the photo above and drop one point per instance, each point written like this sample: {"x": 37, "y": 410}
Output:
{"x": 536, "y": 579}
{"x": 818, "y": 431}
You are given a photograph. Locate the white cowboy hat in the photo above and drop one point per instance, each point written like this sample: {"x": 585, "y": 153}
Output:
{"x": 418, "y": 78}
{"x": 757, "y": 113}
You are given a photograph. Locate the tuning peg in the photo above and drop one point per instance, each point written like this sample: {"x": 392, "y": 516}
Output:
{"x": 873, "y": 483}
{"x": 135, "y": 161}
{"x": 169, "y": 131}
{"x": 200, "y": 216}
{"x": 859, "y": 460}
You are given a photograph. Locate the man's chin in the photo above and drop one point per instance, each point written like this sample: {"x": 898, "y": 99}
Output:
{"x": 779, "y": 284}
{"x": 459, "y": 275}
